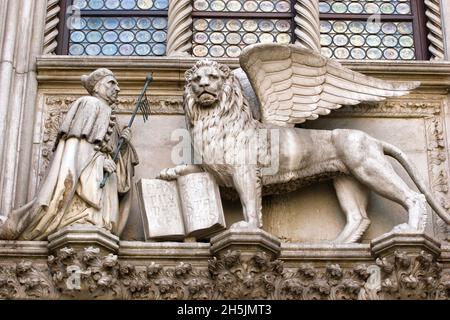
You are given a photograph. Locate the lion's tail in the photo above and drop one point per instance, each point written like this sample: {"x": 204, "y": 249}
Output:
{"x": 398, "y": 155}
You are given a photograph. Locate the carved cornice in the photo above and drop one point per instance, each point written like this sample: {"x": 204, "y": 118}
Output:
{"x": 51, "y": 30}
{"x": 307, "y": 28}
{"x": 179, "y": 33}
{"x": 435, "y": 32}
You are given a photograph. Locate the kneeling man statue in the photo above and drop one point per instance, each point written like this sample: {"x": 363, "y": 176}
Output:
{"x": 71, "y": 193}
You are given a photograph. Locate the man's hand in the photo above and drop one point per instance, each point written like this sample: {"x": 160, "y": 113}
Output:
{"x": 109, "y": 166}
{"x": 126, "y": 134}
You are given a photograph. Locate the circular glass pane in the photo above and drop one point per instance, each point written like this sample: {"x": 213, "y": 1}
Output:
{"x": 143, "y": 49}
{"x": 250, "y": 38}
{"x": 127, "y": 23}
{"x": 355, "y": 7}
{"x": 217, "y": 5}
{"x": 233, "y": 38}
{"x": 373, "y": 27}
{"x": 159, "y": 36}
{"x": 144, "y": 23}
{"x": 340, "y": 40}
{"x": 126, "y": 49}
{"x": 341, "y": 53}
{"x": 143, "y": 36}
{"x": 283, "y": 25}
{"x": 284, "y": 38}
{"x": 96, "y": 4}
{"x": 266, "y": 6}
{"x": 233, "y": 51}
{"x": 112, "y": 4}
{"x": 94, "y": 23}
{"x": 324, "y": 7}
{"x": 234, "y": 5}
{"x": 110, "y": 36}
{"x": 266, "y": 38}
{"x": 406, "y": 41}
{"x": 325, "y": 26}
{"x": 217, "y": 37}
{"x": 159, "y": 23}
{"x": 128, "y": 4}
{"x": 94, "y": 36}
{"x": 357, "y": 40}
{"x": 200, "y": 5}
{"x": 126, "y": 36}
{"x": 358, "y": 53}
{"x": 405, "y": 28}
{"x": 161, "y": 4}
{"x": 111, "y": 23}
{"x": 266, "y": 25}
{"x": 200, "y": 51}
{"x": 216, "y": 24}
{"x": 371, "y": 8}
{"x": 389, "y": 28}
{"x": 390, "y": 41}
{"x": 356, "y": 27}
{"x": 373, "y": 40}
{"x": 387, "y": 8}
{"x": 283, "y": 6}
{"x": 109, "y": 49}
{"x": 390, "y": 54}
{"x": 200, "y": 37}
{"x": 403, "y": 8}
{"x": 374, "y": 53}
{"x": 325, "y": 40}
{"x": 407, "y": 54}
{"x": 200, "y": 24}
{"x": 326, "y": 52}
{"x": 145, "y": 5}
{"x": 159, "y": 49}
{"x": 77, "y": 36}
{"x": 233, "y": 25}
{"x": 77, "y": 24}
{"x": 339, "y": 7}
{"x": 80, "y": 4}
{"x": 93, "y": 49}
{"x": 340, "y": 26}
{"x": 250, "y": 25}
{"x": 216, "y": 51}
{"x": 76, "y": 50}
{"x": 250, "y": 6}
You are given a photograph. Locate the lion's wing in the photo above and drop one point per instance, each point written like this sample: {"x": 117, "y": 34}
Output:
{"x": 295, "y": 84}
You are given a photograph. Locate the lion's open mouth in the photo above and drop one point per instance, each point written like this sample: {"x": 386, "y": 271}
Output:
{"x": 207, "y": 98}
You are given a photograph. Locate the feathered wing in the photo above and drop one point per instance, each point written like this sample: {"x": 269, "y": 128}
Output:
{"x": 295, "y": 84}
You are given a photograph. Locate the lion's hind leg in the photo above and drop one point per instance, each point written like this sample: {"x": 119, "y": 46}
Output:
{"x": 353, "y": 198}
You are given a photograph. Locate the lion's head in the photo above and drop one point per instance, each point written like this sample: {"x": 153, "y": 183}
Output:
{"x": 212, "y": 89}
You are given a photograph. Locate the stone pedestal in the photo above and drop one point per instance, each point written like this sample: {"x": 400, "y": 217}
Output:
{"x": 246, "y": 241}
{"x": 79, "y": 237}
{"x": 409, "y": 242}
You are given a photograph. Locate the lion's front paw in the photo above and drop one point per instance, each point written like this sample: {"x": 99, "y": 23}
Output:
{"x": 242, "y": 225}
{"x": 168, "y": 174}
{"x": 404, "y": 227}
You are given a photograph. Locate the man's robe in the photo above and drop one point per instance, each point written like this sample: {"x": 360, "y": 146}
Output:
{"x": 71, "y": 193}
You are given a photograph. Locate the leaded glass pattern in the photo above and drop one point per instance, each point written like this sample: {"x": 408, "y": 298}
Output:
{"x": 227, "y": 37}
{"x": 121, "y": 4}
{"x": 280, "y": 6}
{"x": 110, "y": 36}
{"x": 362, "y": 40}
{"x": 401, "y": 7}
{"x": 222, "y": 28}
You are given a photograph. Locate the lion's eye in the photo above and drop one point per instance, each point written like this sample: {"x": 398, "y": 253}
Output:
{"x": 214, "y": 76}
{"x": 197, "y": 79}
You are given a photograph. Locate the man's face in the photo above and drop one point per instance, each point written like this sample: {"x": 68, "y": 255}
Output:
{"x": 206, "y": 85}
{"x": 108, "y": 89}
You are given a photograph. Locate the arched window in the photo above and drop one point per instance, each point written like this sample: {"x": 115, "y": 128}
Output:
{"x": 373, "y": 29}
{"x": 114, "y": 27}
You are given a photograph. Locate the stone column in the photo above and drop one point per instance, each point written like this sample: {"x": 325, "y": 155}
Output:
{"x": 307, "y": 29}
{"x": 179, "y": 33}
{"x": 445, "y": 12}
{"x": 21, "y": 44}
{"x": 434, "y": 13}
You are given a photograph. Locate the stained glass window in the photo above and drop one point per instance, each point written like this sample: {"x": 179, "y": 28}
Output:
{"x": 116, "y": 28}
{"x": 372, "y": 29}
{"x": 222, "y": 28}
